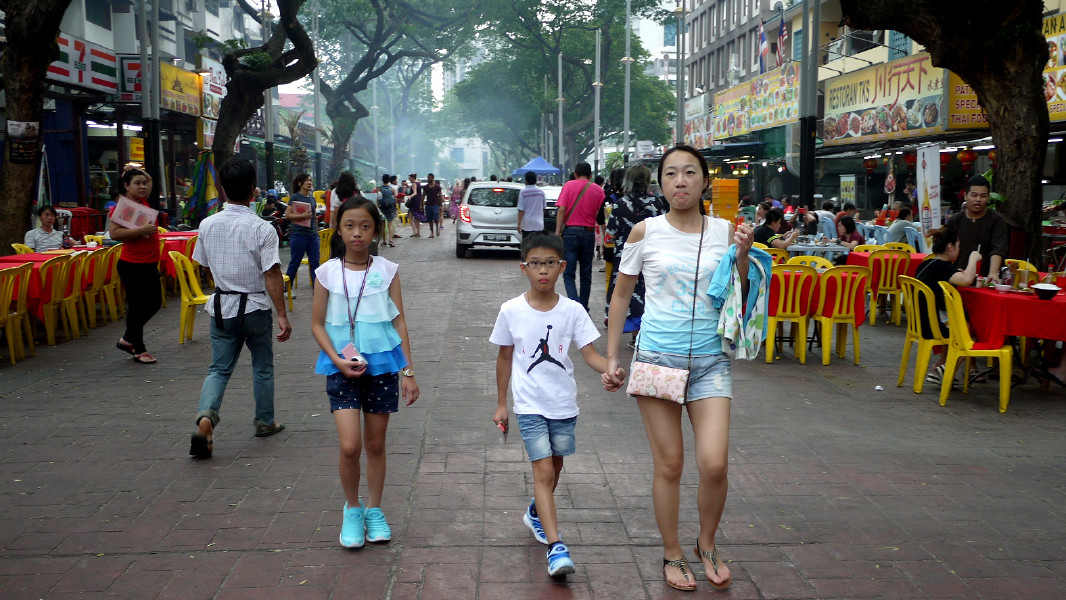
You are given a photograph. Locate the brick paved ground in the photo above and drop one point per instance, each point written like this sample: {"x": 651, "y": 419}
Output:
{"x": 837, "y": 490}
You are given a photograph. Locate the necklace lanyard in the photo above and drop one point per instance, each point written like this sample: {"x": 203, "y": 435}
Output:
{"x": 358, "y": 299}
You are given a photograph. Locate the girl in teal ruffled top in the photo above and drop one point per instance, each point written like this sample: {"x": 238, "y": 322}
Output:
{"x": 357, "y": 319}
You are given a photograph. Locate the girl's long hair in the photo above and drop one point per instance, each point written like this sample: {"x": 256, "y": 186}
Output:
{"x": 336, "y": 243}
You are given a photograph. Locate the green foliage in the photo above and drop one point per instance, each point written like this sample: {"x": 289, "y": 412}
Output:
{"x": 613, "y": 160}
{"x": 257, "y": 61}
{"x": 234, "y": 44}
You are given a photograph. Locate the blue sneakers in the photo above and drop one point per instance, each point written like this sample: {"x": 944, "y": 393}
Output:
{"x": 377, "y": 530}
{"x": 559, "y": 562}
{"x": 534, "y": 525}
{"x": 353, "y": 529}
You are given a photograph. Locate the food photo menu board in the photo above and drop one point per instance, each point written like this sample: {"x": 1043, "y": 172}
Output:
{"x": 898, "y": 99}
{"x": 775, "y": 97}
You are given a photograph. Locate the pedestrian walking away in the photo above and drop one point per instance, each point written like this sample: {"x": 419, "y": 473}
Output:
{"x": 358, "y": 321}
{"x": 543, "y": 386}
{"x": 678, "y": 254}
{"x": 579, "y": 201}
{"x": 241, "y": 252}
{"x": 138, "y": 267}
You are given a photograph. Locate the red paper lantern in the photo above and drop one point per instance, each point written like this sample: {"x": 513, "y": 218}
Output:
{"x": 967, "y": 158}
{"x": 910, "y": 159}
{"x": 992, "y": 156}
{"x": 945, "y": 159}
{"x": 869, "y": 164}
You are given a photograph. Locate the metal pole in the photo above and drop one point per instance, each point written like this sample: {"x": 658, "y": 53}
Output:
{"x": 809, "y": 100}
{"x": 596, "y": 108}
{"x": 625, "y": 110}
{"x": 314, "y": 98}
{"x": 375, "y": 109}
{"x": 268, "y": 115}
{"x": 562, "y": 154}
{"x": 679, "y": 122}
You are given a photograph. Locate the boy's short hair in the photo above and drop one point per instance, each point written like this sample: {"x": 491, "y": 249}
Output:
{"x": 531, "y": 178}
{"x": 543, "y": 239}
{"x": 237, "y": 178}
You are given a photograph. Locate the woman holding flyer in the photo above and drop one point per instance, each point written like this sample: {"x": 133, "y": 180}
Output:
{"x": 133, "y": 223}
{"x": 303, "y": 227}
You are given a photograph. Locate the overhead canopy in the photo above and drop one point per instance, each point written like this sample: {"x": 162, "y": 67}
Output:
{"x": 538, "y": 165}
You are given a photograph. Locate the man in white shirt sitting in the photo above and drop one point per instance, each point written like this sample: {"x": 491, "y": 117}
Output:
{"x": 241, "y": 251}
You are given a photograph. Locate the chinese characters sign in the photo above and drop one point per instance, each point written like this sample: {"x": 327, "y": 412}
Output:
{"x": 899, "y": 99}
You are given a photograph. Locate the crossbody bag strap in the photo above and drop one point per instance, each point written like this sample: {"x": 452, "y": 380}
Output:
{"x": 574, "y": 205}
{"x": 695, "y": 292}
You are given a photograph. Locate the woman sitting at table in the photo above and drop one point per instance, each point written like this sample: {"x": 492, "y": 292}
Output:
{"x": 849, "y": 237}
{"x": 45, "y": 237}
{"x": 770, "y": 233}
{"x": 941, "y": 267}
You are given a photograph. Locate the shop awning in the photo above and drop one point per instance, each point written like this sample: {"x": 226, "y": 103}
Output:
{"x": 733, "y": 150}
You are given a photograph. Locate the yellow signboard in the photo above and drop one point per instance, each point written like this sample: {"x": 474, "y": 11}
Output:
{"x": 964, "y": 111}
{"x": 137, "y": 149}
{"x": 179, "y": 90}
{"x": 775, "y": 98}
{"x": 898, "y": 99}
{"x": 847, "y": 188}
{"x": 731, "y": 112}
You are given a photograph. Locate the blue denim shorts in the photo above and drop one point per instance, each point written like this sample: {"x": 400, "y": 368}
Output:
{"x": 710, "y": 376}
{"x": 545, "y": 438}
{"x": 370, "y": 393}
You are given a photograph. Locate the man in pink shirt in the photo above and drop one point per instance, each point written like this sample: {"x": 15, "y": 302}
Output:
{"x": 577, "y": 206}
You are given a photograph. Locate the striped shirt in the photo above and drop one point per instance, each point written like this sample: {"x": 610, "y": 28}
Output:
{"x": 238, "y": 247}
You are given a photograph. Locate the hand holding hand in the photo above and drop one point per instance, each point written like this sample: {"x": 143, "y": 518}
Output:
{"x": 613, "y": 376}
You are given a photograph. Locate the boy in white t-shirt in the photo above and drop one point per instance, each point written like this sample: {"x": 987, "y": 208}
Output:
{"x": 534, "y": 332}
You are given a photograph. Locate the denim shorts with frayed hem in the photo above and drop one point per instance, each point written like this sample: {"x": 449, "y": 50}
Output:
{"x": 710, "y": 376}
{"x": 545, "y": 437}
{"x": 378, "y": 394}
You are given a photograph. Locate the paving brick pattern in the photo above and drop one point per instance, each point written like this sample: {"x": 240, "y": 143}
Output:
{"x": 837, "y": 490}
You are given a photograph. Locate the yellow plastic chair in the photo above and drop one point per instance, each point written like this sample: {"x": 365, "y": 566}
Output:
{"x": 53, "y": 279}
{"x": 962, "y": 345}
{"x": 404, "y": 219}
{"x": 885, "y": 267}
{"x": 868, "y": 248}
{"x": 1021, "y": 264}
{"x": 113, "y": 290}
{"x": 793, "y": 304}
{"x": 915, "y": 294}
{"x": 320, "y": 197}
{"x": 288, "y": 289}
{"x": 325, "y": 236}
{"x": 759, "y": 245}
{"x": 99, "y": 239}
{"x": 73, "y": 306}
{"x": 818, "y": 262}
{"x": 162, "y": 230}
{"x": 96, "y": 270}
{"x": 850, "y": 283}
{"x": 22, "y": 248}
{"x": 901, "y": 246}
{"x": 20, "y": 305}
{"x": 1027, "y": 276}
{"x": 10, "y": 322}
{"x": 191, "y": 294}
{"x": 162, "y": 273}
{"x": 780, "y": 256}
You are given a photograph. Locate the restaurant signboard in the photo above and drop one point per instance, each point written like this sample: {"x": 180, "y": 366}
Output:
{"x": 775, "y": 98}
{"x": 731, "y": 112}
{"x": 929, "y": 188}
{"x": 179, "y": 90}
{"x": 847, "y": 189}
{"x": 697, "y": 122}
{"x": 899, "y": 99}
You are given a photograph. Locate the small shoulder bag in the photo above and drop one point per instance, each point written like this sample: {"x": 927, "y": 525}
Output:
{"x": 656, "y": 381}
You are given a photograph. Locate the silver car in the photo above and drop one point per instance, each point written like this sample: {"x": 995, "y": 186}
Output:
{"x": 488, "y": 217}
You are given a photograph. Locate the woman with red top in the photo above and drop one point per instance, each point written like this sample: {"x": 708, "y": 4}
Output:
{"x": 138, "y": 268}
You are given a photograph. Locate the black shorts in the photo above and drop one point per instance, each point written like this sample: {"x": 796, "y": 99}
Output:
{"x": 369, "y": 393}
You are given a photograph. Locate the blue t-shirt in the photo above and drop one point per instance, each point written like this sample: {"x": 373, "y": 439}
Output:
{"x": 301, "y": 229}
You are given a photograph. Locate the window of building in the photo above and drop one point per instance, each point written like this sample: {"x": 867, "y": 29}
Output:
{"x": 212, "y": 6}
{"x": 797, "y": 44}
{"x": 457, "y": 155}
{"x": 670, "y": 32}
{"x": 723, "y": 66}
{"x": 98, "y": 12}
{"x": 756, "y": 42}
{"x": 899, "y": 45}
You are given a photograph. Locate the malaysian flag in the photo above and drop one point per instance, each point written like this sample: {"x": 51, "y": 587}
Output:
{"x": 764, "y": 49}
{"x": 782, "y": 35}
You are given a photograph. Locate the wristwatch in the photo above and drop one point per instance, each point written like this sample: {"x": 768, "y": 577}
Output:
{"x": 408, "y": 372}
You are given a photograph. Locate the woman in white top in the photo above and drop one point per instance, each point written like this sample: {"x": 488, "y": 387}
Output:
{"x": 680, "y": 322}
{"x": 45, "y": 237}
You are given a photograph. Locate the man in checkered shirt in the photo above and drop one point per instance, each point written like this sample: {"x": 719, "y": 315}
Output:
{"x": 241, "y": 251}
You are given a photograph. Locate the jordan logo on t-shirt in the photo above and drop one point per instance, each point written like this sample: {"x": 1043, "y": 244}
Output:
{"x": 544, "y": 350}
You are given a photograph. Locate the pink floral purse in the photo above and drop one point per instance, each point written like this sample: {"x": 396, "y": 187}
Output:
{"x": 669, "y": 383}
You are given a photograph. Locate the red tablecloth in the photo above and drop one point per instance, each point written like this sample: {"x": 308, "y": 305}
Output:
{"x": 811, "y": 309}
{"x": 178, "y": 234}
{"x": 38, "y": 289}
{"x": 995, "y": 315}
{"x": 175, "y": 241}
{"x": 862, "y": 259}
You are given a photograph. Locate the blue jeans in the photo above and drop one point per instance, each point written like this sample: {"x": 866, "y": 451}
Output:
{"x": 580, "y": 246}
{"x": 226, "y": 345}
{"x": 299, "y": 245}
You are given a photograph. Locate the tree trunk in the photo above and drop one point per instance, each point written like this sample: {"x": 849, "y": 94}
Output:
{"x": 31, "y": 27}
{"x": 344, "y": 111}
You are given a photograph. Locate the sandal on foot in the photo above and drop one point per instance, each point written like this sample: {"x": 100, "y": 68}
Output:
{"x": 144, "y": 358}
{"x": 124, "y": 346}
{"x": 681, "y": 565}
{"x": 713, "y": 557}
{"x": 201, "y": 446}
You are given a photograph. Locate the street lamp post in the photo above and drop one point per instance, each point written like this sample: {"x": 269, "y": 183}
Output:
{"x": 562, "y": 160}
{"x": 375, "y": 122}
{"x": 596, "y": 108}
{"x": 268, "y": 112}
{"x": 314, "y": 98}
{"x": 680, "y": 120}
{"x": 625, "y": 111}
{"x": 809, "y": 100}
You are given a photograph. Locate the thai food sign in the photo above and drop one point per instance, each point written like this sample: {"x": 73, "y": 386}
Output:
{"x": 775, "y": 97}
{"x": 899, "y": 99}
{"x": 731, "y": 112}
